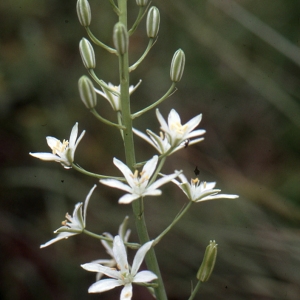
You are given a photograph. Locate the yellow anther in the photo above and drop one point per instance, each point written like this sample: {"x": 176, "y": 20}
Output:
{"x": 194, "y": 181}
{"x": 60, "y": 147}
{"x": 64, "y": 223}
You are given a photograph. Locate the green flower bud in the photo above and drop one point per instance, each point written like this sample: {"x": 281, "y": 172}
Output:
{"x": 153, "y": 20}
{"x": 208, "y": 262}
{"x": 84, "y": 12}
{"x": 120, "y": 38}
{"x": 177, "y": 66}
{"x": 87, "y": 92}
{"x": 87, "y": 54}
{"x": 141, "y": 2}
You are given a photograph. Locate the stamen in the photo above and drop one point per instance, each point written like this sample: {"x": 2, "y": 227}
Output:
{"x": 64, "y": 223}
{"x": 195, "y": 181}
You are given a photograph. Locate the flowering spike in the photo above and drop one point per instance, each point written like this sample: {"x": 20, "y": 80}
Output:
{"x": 120, "y": 38}
{"x": 84, "y": 12}
{"x": 87, "y": 92}
{"x": 177, "y": 66}
{"x": 153, "y": 20}
{"x": 87, "y": 54}
{"x": 208, "y": 262}
{"x": 141, "y": 3}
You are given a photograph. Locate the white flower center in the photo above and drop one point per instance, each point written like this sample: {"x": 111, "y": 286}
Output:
{"x": 139, "y": 180}
{"x": 180, "y": 129}
{"x": 60, "y": 146}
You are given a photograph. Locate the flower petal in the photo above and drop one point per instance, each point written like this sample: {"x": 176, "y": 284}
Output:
{"x": 128, "y": 198}
{"x": 125, "y": 170}
{"x": 46, "y": 156}
{"x": 126, "y": 293}
{"x": 96, "y": 267}
{"x": 104, "y": 285}
{"x": 116, "y": 184}
{"x": 86, "y": 203}
{"x": 144, "y": 276}
{"x": 150, "y": 166}
{"x": 73, "y": 135}
{"x": 218, "y": 196}
{"x": 139, "y": 257}
{"x": 60, "y": 236}
{"x": 162, "y": 181}
{"x": 120, "y": 254}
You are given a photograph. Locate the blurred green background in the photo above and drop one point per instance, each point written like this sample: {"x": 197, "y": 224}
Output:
{"x": 242, "y": 72}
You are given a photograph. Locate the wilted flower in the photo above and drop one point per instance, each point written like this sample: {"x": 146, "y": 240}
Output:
{"x": 124, "y": 275}
{"x": 62, "y": 152}
{"x": 113, "y": 99}
{"x": 200, "y": 190}
{"x": 73, "y": 224}
{"x": 138, "y": 184}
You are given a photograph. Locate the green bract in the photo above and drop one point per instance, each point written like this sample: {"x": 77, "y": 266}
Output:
{"x": 87, "y": 92}
{"x": 84, "y": 12}
{"x": 177, "y": 66}
{"x": 120, "y": 38}
{"x": 153, "y": 20}
{"x": 87, "y": 54}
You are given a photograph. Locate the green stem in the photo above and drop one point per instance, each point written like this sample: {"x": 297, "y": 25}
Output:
{"x": 137, "y": 21}
{"x": 134, "y": 66}
{"x": 99, "y": 43}
{"x": 150, "y": 258}
{"x": 85, "y": 172}
{"x": 164, "y": 97}
{"x": 177, "y": 218}
{"x": 105, "y": 238}
{"x": 94, "y": 112}
{"x": 195, "y": 290}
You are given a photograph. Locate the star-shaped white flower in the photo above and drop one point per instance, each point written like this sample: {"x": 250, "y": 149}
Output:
{"x": 114, "y": 99}
{"x": 62, "y": 152}
{"x": 179, "y": 135}
{"x": 138, "y": 183}
{"x": 124, "y": 275}
{"x": 73, "y": 224}
{"x": 124, "y": 234}
{"x": 198, "y": 191}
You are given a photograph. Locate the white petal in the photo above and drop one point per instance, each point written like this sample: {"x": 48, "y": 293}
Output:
{"x": 100, "y": 93}
{"x": 120, "y": 254}
{"x": 126, "y": 293}
{"x": 60, "y": 236}
{"x": 194, "y": 122}
{"x": 173, "y": 117}
{"x": 117, "y": 184}
{"x": 152, "y": 192}
{"x": 150, "y": 166}
{"x": 139, "y": 257}
{"x": 86, "y": 203}
{"x": 104, "y": 285}
{"x": 125, "y": 170}
{"x": 219, "y": 196}
{"x": 162, "y": 181}
{"x": 161, "y": 120}
{"x": 73, "y": 135}
{"x": 128, "y": 198}
{"x": 46, "y": 156}
{"x": 195, "y": 133}
{"x": 144, "y": 276}
{"x": 76, "y": 144}
{"x": 143, "y": 136}
{"x": 52, "y": 141}
{"x": 96, "y": 267}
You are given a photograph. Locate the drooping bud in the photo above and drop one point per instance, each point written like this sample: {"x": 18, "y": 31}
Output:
{"x": 177, "y": 65}
{"x": 142, "y": 3}
{"x": 87, "y": 54}
{"x": 208, "y": 262}
{"x": 120, "y": 38}
{"x": 153, "y": 20}
{"x": 84, "y": 12}
{"x": 87, "y": 92}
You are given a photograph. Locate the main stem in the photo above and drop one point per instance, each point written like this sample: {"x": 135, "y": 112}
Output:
{"x": 137, "y": 205}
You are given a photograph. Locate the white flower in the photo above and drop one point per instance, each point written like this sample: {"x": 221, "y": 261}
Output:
{"x": 200, "y": 190}
{"x": 138, "y": 184}
{"x": 124, "y": 234}
{"x": 177, "y": 133}
{"x": 124, "y": 275}
{"x": 114, "y": 99}
{"x": 74, "y": 224}
{"x": 62, "y": 152}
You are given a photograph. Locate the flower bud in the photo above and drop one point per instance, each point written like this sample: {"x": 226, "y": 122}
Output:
{"x": 87, "y": 92}
{"x": 153, "y": 20}
{"x": 177, "y": 66}
{"x": 84, "y": 12}
{"x": 208, "y": 262}
{"x": 141, "y": 2}
{"x": 87, "y": 54}
{"x": 120, "y": 38}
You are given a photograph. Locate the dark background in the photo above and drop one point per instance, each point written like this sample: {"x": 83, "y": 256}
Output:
{"x": 242, "y": 72}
